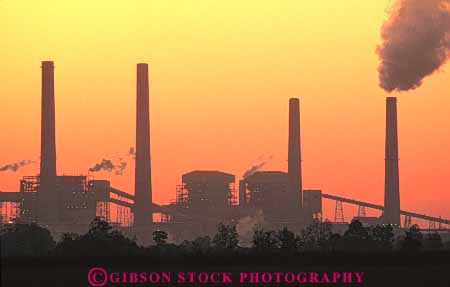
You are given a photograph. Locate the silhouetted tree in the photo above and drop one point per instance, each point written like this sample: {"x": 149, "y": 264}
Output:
{"x": 383, "y": 235}
{"x": 287, "y": 240}
{"x": 333, "y": 242}
{"x": 413, "y": 239}
{"x": 160, "y": 237}
{"x": 315, "y": 236}
{"x": 98, "y": 229}
{"x": 201, "y": 244}
{"x": 67, "y": 242}
{"x": 226, "y": 237}
{"x": 69, "y": 236}
{"x": 20, "y": 239}
{"x": 100, "y": 240}
{"x": 356, "y": 231}
{"x": 357, "y": 238}
{"x": 265, "y": 240}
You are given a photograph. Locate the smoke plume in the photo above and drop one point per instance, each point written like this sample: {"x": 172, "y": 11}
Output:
{"x": 415, "y": 43}
{"x": 254, "y": 168}
{"x": 120, "y": 168}
{"x": 109, "y": 166}
{"x": 105, "y": 164}
{"x": 131, "y": 152}
{"x": 246, "y": 227}
{"x": 15, "y": 166}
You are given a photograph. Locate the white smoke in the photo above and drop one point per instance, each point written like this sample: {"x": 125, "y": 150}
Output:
{"x": 111, "y": 165}
{"x": 256, "y": 167}
{"x": 246, "y": 227}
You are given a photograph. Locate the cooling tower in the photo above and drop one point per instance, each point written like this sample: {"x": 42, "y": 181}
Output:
{"x": 48, "y": 198}
{"x": 142, "y": 181}
{"x": 391, "y": 213}
{"x": 294, "y": 155}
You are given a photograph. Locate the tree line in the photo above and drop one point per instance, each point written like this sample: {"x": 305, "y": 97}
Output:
{"x": 101, "y": 239}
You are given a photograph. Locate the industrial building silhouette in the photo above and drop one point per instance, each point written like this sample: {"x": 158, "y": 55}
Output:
{"x": 203, "y": 199}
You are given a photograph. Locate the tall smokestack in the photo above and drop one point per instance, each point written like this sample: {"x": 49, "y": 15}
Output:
{"x": 391, "y": 213}
{"x": 142, "y": 180}
{"x": 294, "y": 154}
{"x": 48, "y": 198}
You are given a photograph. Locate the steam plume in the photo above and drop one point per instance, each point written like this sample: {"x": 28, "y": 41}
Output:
{"x": 415, "y": 43}
{"x": 246, "y": 227}
{"x": 120, "y": 168}
{"x": 105, "y": 164}
{"x": 254, "y": 168}
{"x": 109, "y": 166}
{"x": 15, "y": 166}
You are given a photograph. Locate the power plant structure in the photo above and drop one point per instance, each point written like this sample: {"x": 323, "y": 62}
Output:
{"x": 204, "y": 198}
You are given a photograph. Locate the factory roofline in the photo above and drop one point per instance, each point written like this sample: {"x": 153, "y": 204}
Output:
{"x": 208, "y": 175}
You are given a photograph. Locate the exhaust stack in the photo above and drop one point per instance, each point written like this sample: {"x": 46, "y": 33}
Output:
{"x": 48, "y": 203}
{"x": 391, "y": 213}
{"x": 142, "y": 180}
{"x": 294, "y": 155}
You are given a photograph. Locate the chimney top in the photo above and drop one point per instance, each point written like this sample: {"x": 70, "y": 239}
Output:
{"x": 47, "y": 63}
{"x": 142, "y": 68}
{"x": 293, "y": 100}
{"x": 391, "y": 99}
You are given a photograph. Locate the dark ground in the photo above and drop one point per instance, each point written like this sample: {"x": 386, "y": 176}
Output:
{"x": 430, "y": 269}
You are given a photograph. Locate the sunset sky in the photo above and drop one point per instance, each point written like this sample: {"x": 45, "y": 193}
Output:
{"x": 221, "y": 74}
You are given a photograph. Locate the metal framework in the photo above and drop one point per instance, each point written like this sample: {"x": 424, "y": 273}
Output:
{"x": 8, "y": 211}
{"x": 407, "y": 223}
{"x": 182, "y": 195}
{"x": 103, "y": 210}
{"x": 80, "y": 199}
{"x": 232, "y": 196}
{"x": 361, "y": 211}
{"x": 124, "y": 215}
{"x": 380, "y": 207}
{"x": 339, "y": 212}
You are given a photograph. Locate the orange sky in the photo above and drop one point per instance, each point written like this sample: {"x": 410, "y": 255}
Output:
{"x": 221, "y": 75}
